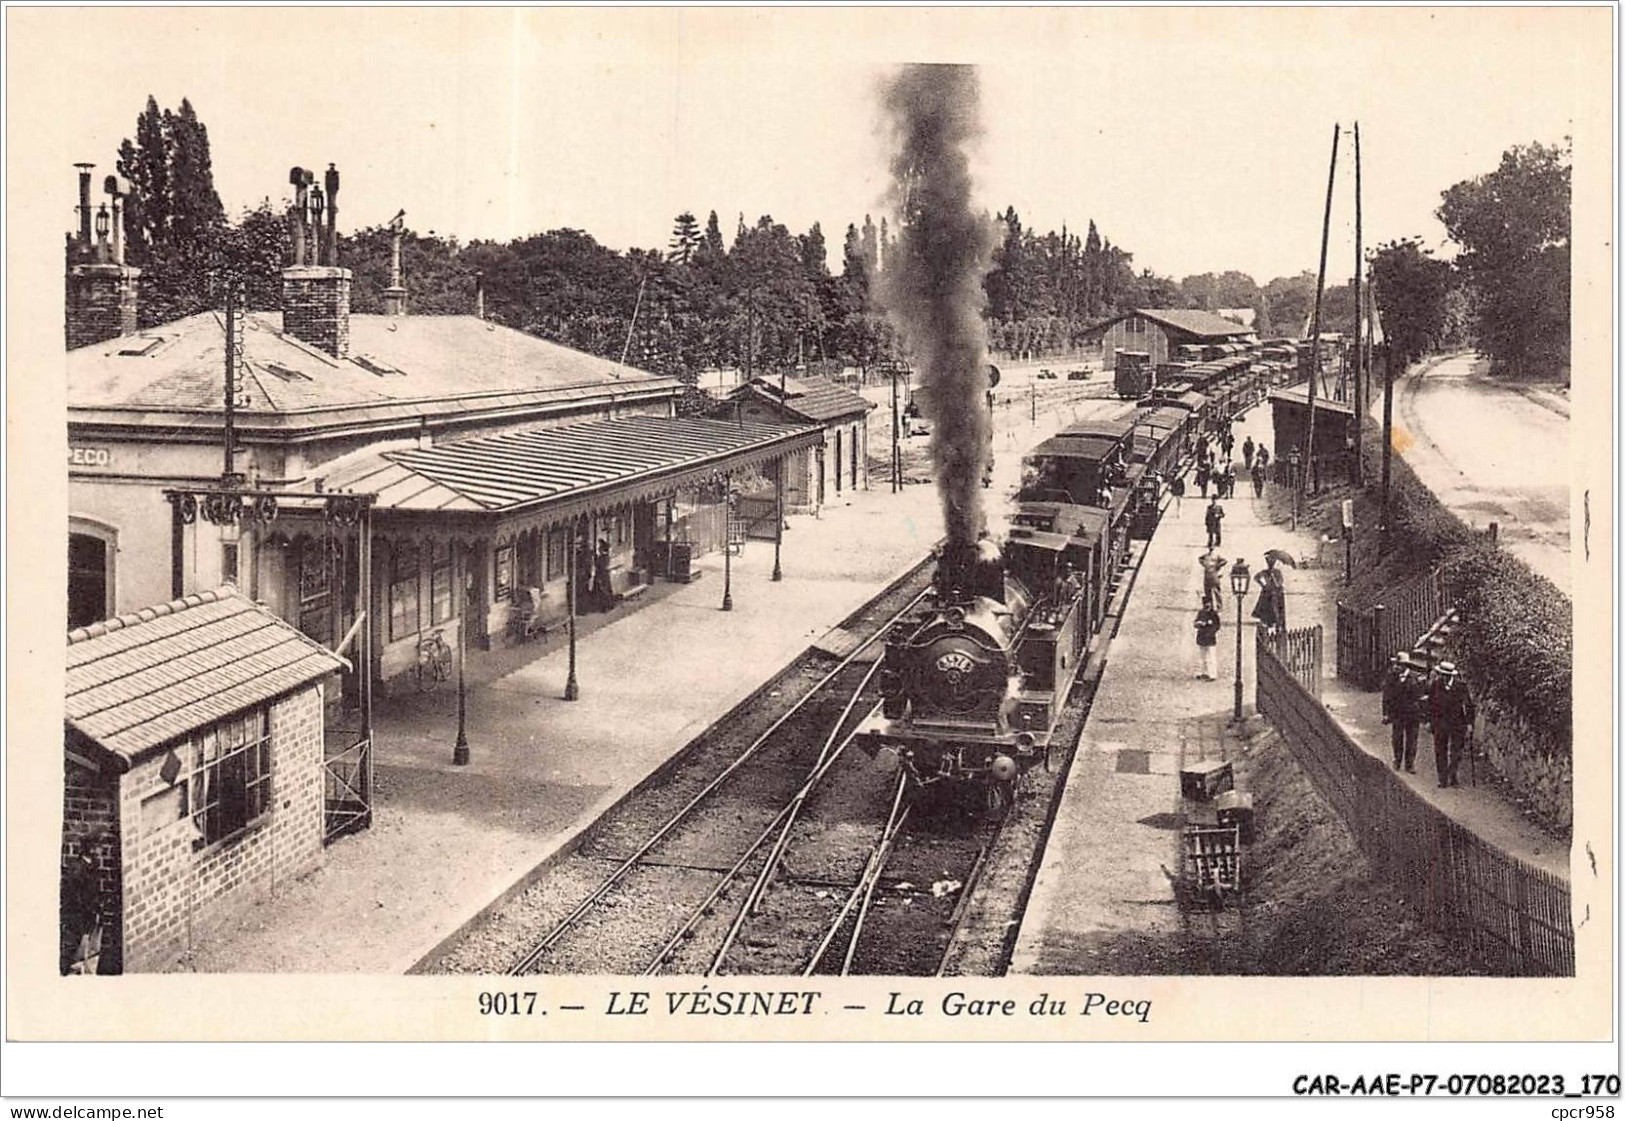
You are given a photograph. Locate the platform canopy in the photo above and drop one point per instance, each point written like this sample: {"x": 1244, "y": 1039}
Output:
{"x": 570, "y": 470}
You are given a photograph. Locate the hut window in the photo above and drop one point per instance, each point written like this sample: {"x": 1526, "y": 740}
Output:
{"x": 440, "y": 600}
{"x": 231, "y": 787}
{"x": 404, "y": 609}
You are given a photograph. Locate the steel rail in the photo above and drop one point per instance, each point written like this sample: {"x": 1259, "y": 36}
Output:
{"x": 530, "y": 960}
{"x": 870, "y": 869}
{"x": 728, "y": 877}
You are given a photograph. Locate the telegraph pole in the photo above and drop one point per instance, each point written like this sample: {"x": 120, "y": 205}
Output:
{"x": 896, "y": 451}
{"x": 1359, "y": 312}
{"x": 1314, "y": 330}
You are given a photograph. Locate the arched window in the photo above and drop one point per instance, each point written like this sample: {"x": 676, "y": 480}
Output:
{"x": 90, "y": 574}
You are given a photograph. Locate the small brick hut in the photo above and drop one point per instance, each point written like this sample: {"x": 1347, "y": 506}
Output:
{"x": 193, "y": 775}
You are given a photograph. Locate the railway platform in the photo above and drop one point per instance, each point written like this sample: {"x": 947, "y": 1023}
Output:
{"x": 1105, "y": 888}
{"x": 447, "y": 840}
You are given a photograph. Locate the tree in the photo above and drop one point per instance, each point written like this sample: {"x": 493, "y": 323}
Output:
{"x": 1409, "y": 288}
{"x": 174, "y": 223}
{"x": 685, "y": 238}
{"x": 1513, "y": 227}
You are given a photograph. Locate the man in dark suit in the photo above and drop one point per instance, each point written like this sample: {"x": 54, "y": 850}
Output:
{"x": 1450, "y": 713}
{"x": 1403, "y": 706}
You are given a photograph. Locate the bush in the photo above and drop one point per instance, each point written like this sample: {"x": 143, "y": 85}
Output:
{"x": 1516, "y": 640}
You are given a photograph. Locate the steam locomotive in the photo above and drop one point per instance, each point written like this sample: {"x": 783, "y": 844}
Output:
{"x": 973, "y": 683}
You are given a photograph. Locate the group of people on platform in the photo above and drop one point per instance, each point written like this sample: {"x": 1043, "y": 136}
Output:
{"x": 1411, "y": 696}
{"x": 595, "y": 590}
{"x": 1269, "y": 611}
{"x": 1216, "y": 466}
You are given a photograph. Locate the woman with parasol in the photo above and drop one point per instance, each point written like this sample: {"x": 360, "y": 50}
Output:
{"x": 1270, "y": 610}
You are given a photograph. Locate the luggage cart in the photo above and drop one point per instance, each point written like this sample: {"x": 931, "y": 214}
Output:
{"x": 1213, "y": 861}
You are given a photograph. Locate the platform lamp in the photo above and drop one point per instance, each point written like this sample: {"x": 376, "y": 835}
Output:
{"x": 1293, "y": 460}
{"x": 459, "y": 752}
{"x": 727, "y": 543}
{"x": 1240, "y": 582}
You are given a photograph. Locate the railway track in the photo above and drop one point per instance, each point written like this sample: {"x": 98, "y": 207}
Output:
{"x": 624, "y": 900}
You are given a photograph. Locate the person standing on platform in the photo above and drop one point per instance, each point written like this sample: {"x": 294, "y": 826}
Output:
{"x": 603, "y": 587}
{"x": 1258, "y": 480}
{"x": 1215, "y": 520}
{"x": 1247, "y": 449}
{"x": 1227, "y": 441}
{"x": 1202, "y": 474}
{"x": 1212, "y": 577}
{"x": 1270, "y": 610}
{"x": 1208, "y": 623}
{"x": 1229, "y": 480}
{"x": 1402, "y": 703}
{"x": 1263, "y": 456}
{"x": 1177, "y": 489}
{"x": 1450, "y": 714}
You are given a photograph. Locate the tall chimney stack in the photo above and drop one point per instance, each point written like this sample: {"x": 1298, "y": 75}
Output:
{"x": 395, "y": 295}
{"x": 84, "y": 204}
{"x": 101, "y": 291}
{"x": 315, "y": 297}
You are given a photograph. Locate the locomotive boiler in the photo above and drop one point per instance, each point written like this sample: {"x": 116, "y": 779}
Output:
{"x": 972, "y": 683}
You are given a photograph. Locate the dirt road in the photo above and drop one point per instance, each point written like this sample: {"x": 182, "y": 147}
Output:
{"x": 1492, "y": 453}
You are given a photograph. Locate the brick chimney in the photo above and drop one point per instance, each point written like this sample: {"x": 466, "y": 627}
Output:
{"x": 315, "y": 291}
{"x": 316, "y": 306}
{"x": 101, "y": 289}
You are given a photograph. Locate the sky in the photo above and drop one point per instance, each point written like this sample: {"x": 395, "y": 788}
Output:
{"x": 1196, "y": 139}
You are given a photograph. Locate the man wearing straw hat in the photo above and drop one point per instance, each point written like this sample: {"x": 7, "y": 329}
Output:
{"x": 1402, "y": 708}
{"x": 1450, "y": 713}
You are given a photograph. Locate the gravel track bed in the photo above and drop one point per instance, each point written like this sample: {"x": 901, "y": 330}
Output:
{"x": 624, "y": 931}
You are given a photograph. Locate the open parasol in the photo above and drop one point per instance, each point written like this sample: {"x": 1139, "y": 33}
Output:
{"x": 1281, "y": 556}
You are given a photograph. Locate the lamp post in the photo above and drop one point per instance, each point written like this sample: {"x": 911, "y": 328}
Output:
{"x": 459, "y": 751}
{"x": 727, "y": 545}
{"x": 1240, "y": 581}
{"x": 572, "y": 689}
{"x": 1293, "y": 461}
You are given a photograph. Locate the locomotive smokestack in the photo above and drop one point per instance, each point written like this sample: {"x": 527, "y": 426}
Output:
{"x": 932, "y": 286}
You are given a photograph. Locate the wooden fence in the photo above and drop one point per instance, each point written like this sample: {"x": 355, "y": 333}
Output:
{"x": 1367, "y": 639}
{"x": 1298, "y": 652}
{"x": 1513, "y": 919}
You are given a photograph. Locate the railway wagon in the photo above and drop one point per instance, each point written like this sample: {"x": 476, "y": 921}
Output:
{"x": 1135, "y": 375}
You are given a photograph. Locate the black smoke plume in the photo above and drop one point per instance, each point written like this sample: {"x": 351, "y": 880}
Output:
{"x": 931, "y": 285}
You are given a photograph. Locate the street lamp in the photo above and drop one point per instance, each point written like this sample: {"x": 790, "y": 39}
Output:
{"x": 1293, "y": 459}
{"x": 459, "y": 751}
{"x": 727, "y": 545}
{"x": 1240, "y": 581}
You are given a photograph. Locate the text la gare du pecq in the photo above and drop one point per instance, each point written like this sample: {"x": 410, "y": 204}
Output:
{"x": 806, "y": 1002}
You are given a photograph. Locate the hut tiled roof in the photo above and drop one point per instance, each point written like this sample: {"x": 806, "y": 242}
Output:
{"x": 139, "y": 681}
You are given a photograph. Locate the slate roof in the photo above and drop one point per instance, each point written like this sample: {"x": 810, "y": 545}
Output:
{"x": 142, "y": 680}
{"x": 815, "y": 399}
{"x": 402, "y": 366}
{"x": 1202, "y": 323}
{"x": 1189, "y": 321}
{"x": 496, "y": 473}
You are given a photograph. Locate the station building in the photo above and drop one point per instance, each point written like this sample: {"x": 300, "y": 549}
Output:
{"x": 1160, "y": 332}
{"x": 459, "y": 463}
{"x": 840, "y": 462}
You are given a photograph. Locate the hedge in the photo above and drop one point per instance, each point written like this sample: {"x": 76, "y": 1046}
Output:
{"x": 1515, "y": 643}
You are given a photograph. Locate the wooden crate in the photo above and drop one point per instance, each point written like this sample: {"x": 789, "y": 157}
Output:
{"x": 1205, "y": 780}
{"x": 1213, "y": 860}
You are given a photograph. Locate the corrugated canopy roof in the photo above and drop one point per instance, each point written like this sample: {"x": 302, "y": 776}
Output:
{"x": 142, "y": 680}
{"x": 522, "y": 469}
{"x": 1077, "y": 446}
